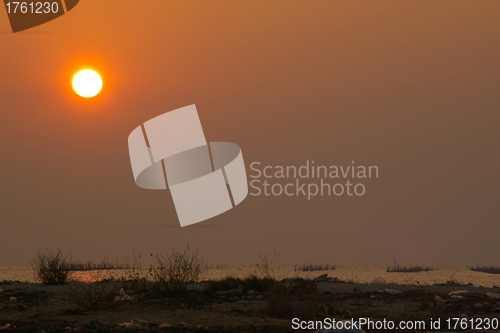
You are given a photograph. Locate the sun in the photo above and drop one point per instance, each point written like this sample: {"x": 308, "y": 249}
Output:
{"x": 87, "y": 83}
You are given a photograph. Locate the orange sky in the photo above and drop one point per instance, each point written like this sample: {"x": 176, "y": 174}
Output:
{"x": 411, "y": 87}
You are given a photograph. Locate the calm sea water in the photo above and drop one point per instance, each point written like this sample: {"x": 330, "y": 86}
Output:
{"x": 351, "y": 273}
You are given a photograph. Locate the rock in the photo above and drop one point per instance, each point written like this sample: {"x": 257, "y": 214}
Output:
{"x": 333, "y": 279}
{"x": 251, "y": 292}
{"x": 379, "y": 280}
{"x": 288, "y": 279}
{"x": 321, "y": 278}
{"x": 439, "y": 299}
{"x": 164, "y": 325}
{"x": 183, "y": 324}
{"x": 493, "y": 295}
{"x": 12, "y": 299}
{"x": 194, "y": 287}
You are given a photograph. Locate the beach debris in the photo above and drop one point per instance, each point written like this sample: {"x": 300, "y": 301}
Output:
{"x": 321, "y": 278}
{"x": 334, "y": 279}
{"x": 478, "y": 305}
{"x": 141, "y": 323}
{"x": 123, "y": 296}
{"x": 379, "y": 280}
{"x": 457, "y": 292}
{"x": 13, "y": 299}
{"x": 290, "y": 279}
{"x": 194, "y": 287}
{"x": 182, "y": 324}
{"x": 368, "y": 284}
{"x": 493, "y": 295}
{"x": 6, "y": 326}
{"x": 164, "y": 325}
{"x": 457, "y": 297}
{"x": 391, "y": 291}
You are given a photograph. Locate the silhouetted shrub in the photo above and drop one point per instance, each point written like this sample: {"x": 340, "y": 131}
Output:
{"x": 177, "y": 270}
{"x": 52, "y": 268}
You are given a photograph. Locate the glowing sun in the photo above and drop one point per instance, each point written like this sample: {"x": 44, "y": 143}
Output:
{"x": 87, "y": 83}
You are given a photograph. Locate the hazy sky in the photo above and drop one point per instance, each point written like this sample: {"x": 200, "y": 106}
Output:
{"x": 411, "y": 87}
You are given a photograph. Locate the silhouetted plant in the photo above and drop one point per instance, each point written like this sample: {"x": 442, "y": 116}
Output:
{"x": 98, "y": 292}
{"x": 177, "y": 270}
{"x": 52, "y": 268}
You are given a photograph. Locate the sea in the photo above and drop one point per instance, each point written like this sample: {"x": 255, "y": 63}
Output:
{"x": 347, "y": 273}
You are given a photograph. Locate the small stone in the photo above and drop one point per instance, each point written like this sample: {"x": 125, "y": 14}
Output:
{"x": 12, "y": 299}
